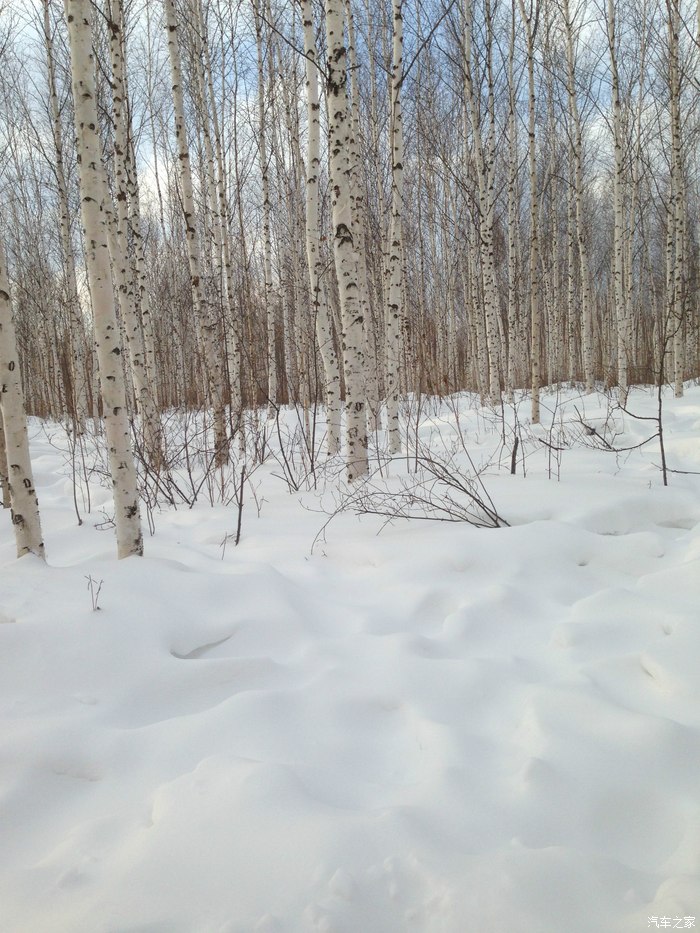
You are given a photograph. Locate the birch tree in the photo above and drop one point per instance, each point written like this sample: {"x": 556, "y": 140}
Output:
{"x": 619, "y": 293}
{"x": 232, "y": 323}
{"x": 270, "y": 304}
{"x": 319, "y": 305}
{"x": 529, "y": 18}
{"x": 514, "y": 349}
{"x": 4, "y": 478}
{"x": 15, "y": 462}
{"x": 676, "y": 257}
{"x": 373, "y": 364}
{"x": 339, "y": 131}
{"x": 485, "y": 166}
{"x": 577, "y": 156}
{"x": 75, "y": 322}
{"x": 205, "y": 318}
{"x": 93, "y": 195}
{"x": 119, "y": 230}
{"x": 515, "y": 243}
{"x": 395, "y": 311}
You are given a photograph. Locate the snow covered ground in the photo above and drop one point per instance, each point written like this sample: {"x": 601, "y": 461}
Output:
{"x": 433, "y": 728}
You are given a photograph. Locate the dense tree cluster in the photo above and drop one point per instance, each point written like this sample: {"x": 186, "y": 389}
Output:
{"x": 226, "y": 205}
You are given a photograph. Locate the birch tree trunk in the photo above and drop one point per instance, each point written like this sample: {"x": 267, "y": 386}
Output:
{"x": 4, "y": 479}
{"x": 395, "y": 310}
{"x": 232, "y": 322}
{"x": 485, "y": 172}
{"x": 16, "y": 463}
{"x": 514, "y": 353}
{"x": 339, "y": 130}
{"x": 93, "y": 194}
{"x": 279, "y": 118}
{"x": 270, "y": 306}
{"x": 677, "y": 204}
{"x": 572, "y": 328}
{"x": 75, "y": 318}
{"x": 139, "y": 272}
{"x": 319, "y": 306}
{"x": 213, "y": 253}
{"x": 204, "y": 313}
{"x": 577, "y": 147}
{"x": 530, "y": 24}
{"x": 619, "y": 294}
{"x": 124, "y": 280}
{"x": 475, "y": 302}
{"x": 551, "y": 265}
{"x": 372, "y": 363}
{"x": 377, "y": 173}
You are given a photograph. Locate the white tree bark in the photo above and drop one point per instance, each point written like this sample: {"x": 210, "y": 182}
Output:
{"x": 319, "y": 306}
{"x": 372, "y": 363}
{"x": 4, "y": 479}
{"x": 514, "y": 353}
{"x": 571, "y": 266}
{"x": 620, "y": 296}
{"x": 75, "y": 321}
{"x": 529, "y": 19}
{"x": 378, "y": 353}
{"x": 232, "y": 322}
{"x": 139, "y": 272}
{"x": 270, "y": 305}
{"x": 121, "y": 267}
{"x": 395, "y": 310}
{"x": 577, "y": 147}
{"x": 345, "y": 260}
{"x": 302, "y": 336}
{"x": 15, "y": 462}
{"x": 677, "y": 203}
{"x": 284, "y": 171}
{"x": 551, "y": 265}
{"x": 93, "y": 194}
{"x": 485, "y": 165}
{"x": 204, "y": 313}
{"x": 475, "y": 302}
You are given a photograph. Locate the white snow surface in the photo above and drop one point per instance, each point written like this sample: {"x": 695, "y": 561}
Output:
{"x": 418, "y": 726}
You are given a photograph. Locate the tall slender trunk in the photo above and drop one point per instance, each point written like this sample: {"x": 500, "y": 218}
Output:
{"x": 217, "y": 209}
{"x": 139, "y": 274}
{"x": 76, "y": 328}
{"x": 571, "y": 322}
{"x": 395, "y": 310}
{"x": 280, "y": 118}
{"x": 551, "y": 266}
{"x": 124, "y": 280}
{"x": 577, "y": 147}
{"x": 358, "y": 219}
{"x": 676, "y": 298}
{"x": 270, "y": 304}
{"x": 530, "y": 23}
{"x": 209, "y": 324}
{"x": 15, "y": 462}
{"x": 319, "y": 306}
{"x": 514, "y": 349}
{"x": 4, "y": 471}
{"x": 93, "y": 197}
{"x": 485, "y": 164}
{"x": 232, "y": 317}
{"x": 343, "y": 248}
{"x": 619, "y": 294}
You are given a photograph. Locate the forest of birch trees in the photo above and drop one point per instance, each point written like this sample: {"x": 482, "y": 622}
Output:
{"x": 220, "y": 209}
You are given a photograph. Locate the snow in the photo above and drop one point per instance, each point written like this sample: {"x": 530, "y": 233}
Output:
{"x": 371, "y": 728}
